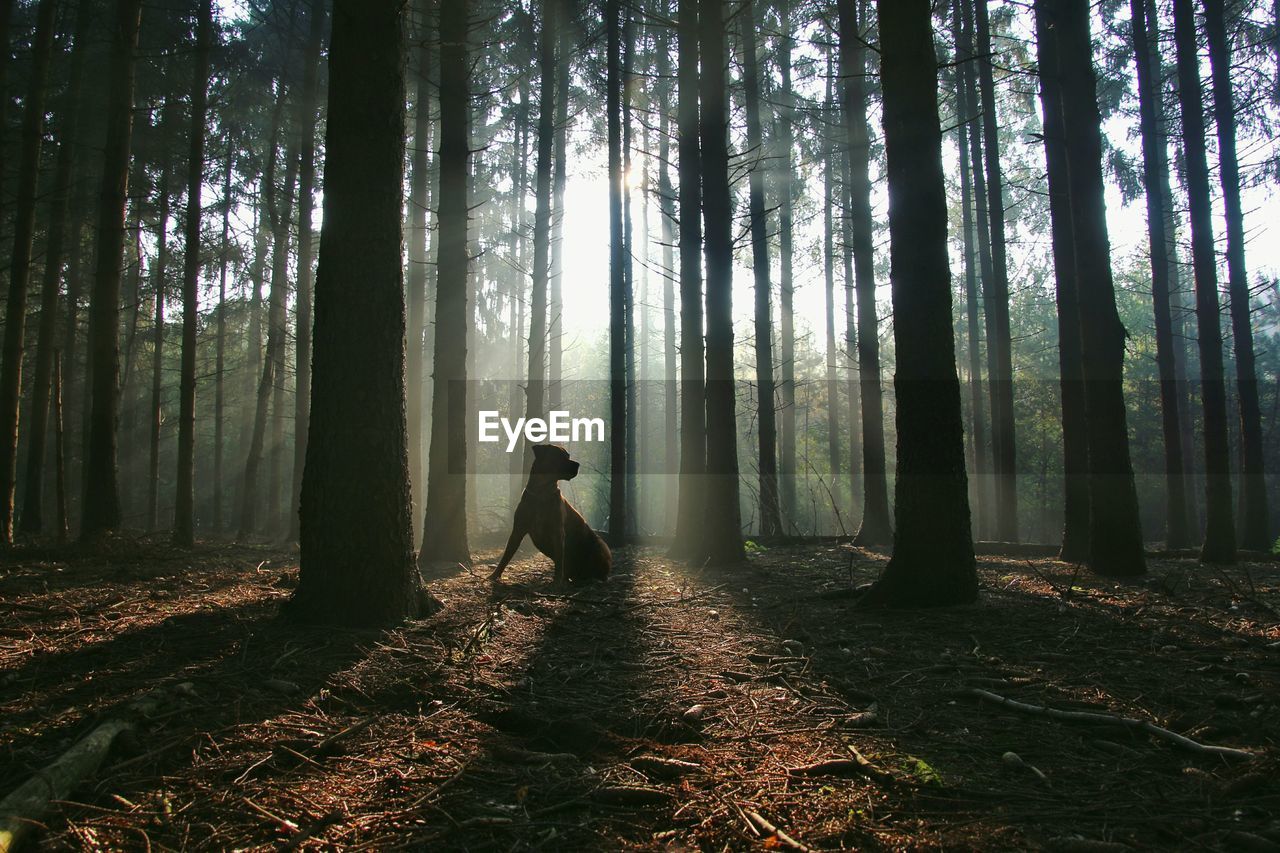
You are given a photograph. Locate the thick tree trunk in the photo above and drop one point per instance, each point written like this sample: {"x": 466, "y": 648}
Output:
{"x": 617, "y": 284}
{"x": 630, "y": 519}
{"x": 184, "y": 506}
{"x": 101, "y": 507}
{"x": 722, "y": 514}
{"x": 693, "y": 437}
{"x": 1001, "y": 379}
{"x": 32, "y": 519}
{"x": 1254, "y": 534}
{"x": 788, "y": 467}
{"x": 444, "y": 527}
{"x": 1075, "y": 426}
{"x": 770, "y": 517}
{"x": 357, "y": 565}
{"x": 977, "y": 401}
{"x": 1155, "y": 169}
{"x": 933, "y": 562}
{"x": 307, "y": 106}
{"x": 1219, "y": 538}
{"x": 876, "y": 529}
{"x": 857, "y": 485}
{"x": 20, "y": 264}
{"x": 1115, "y": 528}
{"x": 420, "y": 160}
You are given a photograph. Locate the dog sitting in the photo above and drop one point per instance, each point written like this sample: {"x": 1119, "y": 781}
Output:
{"x": 556, "y": 528}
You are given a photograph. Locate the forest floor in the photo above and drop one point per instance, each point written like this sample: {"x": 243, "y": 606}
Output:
{"x": 671, "y": 708}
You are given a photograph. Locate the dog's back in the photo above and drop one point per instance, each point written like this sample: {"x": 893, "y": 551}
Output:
{"x": 590, "y": 558}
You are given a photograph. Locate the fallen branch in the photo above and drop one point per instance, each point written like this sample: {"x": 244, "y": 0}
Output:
{"x": 771, "y": 830}
{"x": 22, "y": 810}
{"x": 1111, "y": 720}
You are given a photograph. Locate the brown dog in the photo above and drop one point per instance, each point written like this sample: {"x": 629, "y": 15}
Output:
{"x": 556, "y": 528}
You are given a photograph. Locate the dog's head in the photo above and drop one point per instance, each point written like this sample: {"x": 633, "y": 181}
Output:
{"x": 553, "y": 460}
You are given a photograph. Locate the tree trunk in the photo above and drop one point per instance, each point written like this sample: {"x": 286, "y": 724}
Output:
{"x": 184, "y": 506}
{"x": 1219, "y": 538}
{"x": 159, "y": 275}
{"x": 1001, "y": 379}
{"x": 307, "y": 106}
{"x": 1254, "y": 534}
{"x": 220, "y": 356}
{"x": 667, "y": 206}
{"x": 933, "y": 562}
{"x": 617, "y": 285}
{"x": 1115, "y": 528}
{"x": 788, "y": 465}
{"x": 693, "y": 437}
{"x": 1155, "y": 169}
{"x": 357, "y": 565}
{"x": 977, "y": 405}
{"x": 32, "y": 519}
{"x": 876, "y": 529}
{"x": 20, "y": 265}
{"x": 444, "y": 526}
{"x": 770, "y": 517}
{"x": 59, "y": 452}
{"x": 629, "y": 290}
{"x": 555, "y": 331}
{"x": 829, "y": 283}
{"x": 280, "y": 212}
{"x": 722, "y": 515}
{"x": 101, "y": 508}
{"x": 420, "y": 160}
{"x": 535, "y": 392}
{"x": 1075, "y": 425}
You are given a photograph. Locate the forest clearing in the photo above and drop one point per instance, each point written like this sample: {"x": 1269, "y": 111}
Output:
{"x": 669, "y": 708}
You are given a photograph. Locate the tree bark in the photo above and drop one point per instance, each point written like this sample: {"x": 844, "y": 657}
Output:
{"x": 308, "y": 104}
{"x": 722, "y": 515}
{"x": 32, "y": 519}
{"x": 876, "y": 529}
{"x": 1219, "y": 539}
{"x": 977, "y": 400}
{"x": 667, "y": 206}
{"x": 693, "y": 436}
{"x": 184, "y": 506}
{"x": 555, "y": 331}
{"x": 788, "y": 468}
{"x": 1155, "y": 169}
{"x": 1001, "y": 380}
{"x": 1254, "y": 533}
{"x": 618, "y": 509}
{"x": 419, "y": 178}
{"x": 1115, "y": 528}
{"x": 357, "y": 565}
{"x": 829, "y": 284}
{"x": 101, "y": 507}
{"x": 20, "y": 264}
{"x": 444, "y": 526}
{"x": 770, "y": 517}
{"x": 1075, "y": 426}
{"x": 933, "y": 562}
{"x": 220, "y": 345}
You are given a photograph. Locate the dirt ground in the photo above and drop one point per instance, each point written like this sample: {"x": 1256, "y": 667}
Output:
{"x": 671, "y": 708}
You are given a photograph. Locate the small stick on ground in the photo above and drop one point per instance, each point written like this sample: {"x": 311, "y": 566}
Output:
{"x": 784, "y": 839}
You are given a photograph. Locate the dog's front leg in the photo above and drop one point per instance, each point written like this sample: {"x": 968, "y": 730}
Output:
{"x": 513, "y": 543}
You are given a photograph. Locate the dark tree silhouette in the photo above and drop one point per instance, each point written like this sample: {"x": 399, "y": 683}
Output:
{"x": 1115, "y": 529}
{"x": 933, "y": 562}
{"x": 20, "y": 262}
{"x": 617, "y": 284}
{"x": 722, "y": 515}
{"x": 876, "y": 528}
{"x": 357, "y": 564}
{"x": 770, "y": 518}
{"x": 1254, "y": 533}
{"x": 1219, "y": 537}
{"x": 100, "y": 510}
{"x": 693, "y": 437}
{"x": 444, "y": 528}
{"x": 184, "y": 519}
